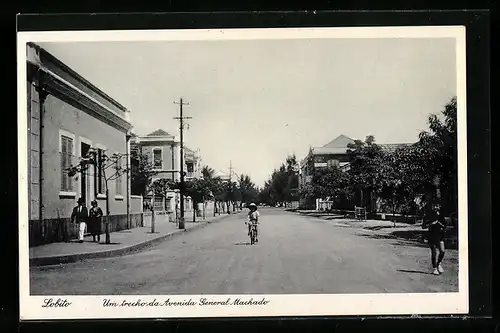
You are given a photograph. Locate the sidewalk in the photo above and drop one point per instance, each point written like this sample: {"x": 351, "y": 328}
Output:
{"x": 386, "y": 229}
{"x": 122, "y": 242}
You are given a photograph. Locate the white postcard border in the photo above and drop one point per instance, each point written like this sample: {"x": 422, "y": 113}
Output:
{"x": 91, "y": 307}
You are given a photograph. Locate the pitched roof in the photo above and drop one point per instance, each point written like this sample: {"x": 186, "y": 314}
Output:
{"x": 159, "y": 132}
{"x": 339, "y": 142}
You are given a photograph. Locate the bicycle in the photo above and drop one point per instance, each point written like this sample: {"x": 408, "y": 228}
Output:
{"x": 253, "y": 233}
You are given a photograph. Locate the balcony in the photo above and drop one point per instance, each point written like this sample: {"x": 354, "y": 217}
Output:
{"x": 190, "y": 175}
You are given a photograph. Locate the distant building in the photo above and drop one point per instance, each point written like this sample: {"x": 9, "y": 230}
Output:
{"x": 67, "y": 117}
{"x": 163, "y": 149}
{"x": 164, "y": 152}
{"x": 334, "y": 153}
{"x": 192, "y": 162}
{"x": 224, "y": 177}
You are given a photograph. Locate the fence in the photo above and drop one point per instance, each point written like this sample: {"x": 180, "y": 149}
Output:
{"x": 360, "y": 213}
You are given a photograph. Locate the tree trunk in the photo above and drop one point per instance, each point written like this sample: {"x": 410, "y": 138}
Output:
{"x": 204, "y": 208}
{"x": 195, "y": 209}
{"x": 153, "y": 219}
{"x": 394, "y": 211}
{"x": 108, "y": 236}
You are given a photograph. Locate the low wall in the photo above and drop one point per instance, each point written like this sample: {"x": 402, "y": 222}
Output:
{"x": 136, "y": 204}
{"x": 62, "y": 230}
{"x": 411, "y": 219}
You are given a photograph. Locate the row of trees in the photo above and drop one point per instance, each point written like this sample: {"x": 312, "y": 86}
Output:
{"x": 405, "y": 180}
{"x": 226, "y": 195}
{"x": 282, "y": 187}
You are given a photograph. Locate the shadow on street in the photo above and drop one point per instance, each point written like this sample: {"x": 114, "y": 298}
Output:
{"x": 379, "y": 227}
{"x": 410, "y": 238}
{"x": 412, "y": 271}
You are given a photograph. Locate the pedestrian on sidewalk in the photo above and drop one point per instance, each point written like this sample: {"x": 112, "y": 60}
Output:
{"x": 80, "y": 216}
{"x": 95, "y": 219}
{"x": 436, "y": 226}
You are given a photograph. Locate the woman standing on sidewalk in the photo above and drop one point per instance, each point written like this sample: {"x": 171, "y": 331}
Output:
{"x": 435, "y": 236}
{"x": 95, "y": 216}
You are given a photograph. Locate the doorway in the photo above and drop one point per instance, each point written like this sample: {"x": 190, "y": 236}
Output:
{"x": 85, "y": 183}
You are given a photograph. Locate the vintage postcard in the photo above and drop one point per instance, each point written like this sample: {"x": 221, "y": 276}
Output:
{"x": 242, "y": 173}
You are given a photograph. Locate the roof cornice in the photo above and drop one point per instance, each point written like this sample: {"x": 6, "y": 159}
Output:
{"x": 58, "y": 87}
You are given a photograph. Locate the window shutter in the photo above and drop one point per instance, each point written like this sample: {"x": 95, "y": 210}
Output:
{"x": 70, "y": 155}
{"x": 63, "y": 163}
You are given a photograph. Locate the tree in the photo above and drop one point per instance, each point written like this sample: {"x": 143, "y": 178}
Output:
{"x": 207, "y": 172}
{"x": 162, "y": 186}
{"x": 198, "y": 190}
{"x": 218, "y": 192}
{"x": 364, "y": 165}
{"x": 141, "y": 172}
{"x": 331, "y": 183}
{"x": 215, "y": 186}
{"x": 389, "y": 185}
{"x": 103, "y": 163}
{"x": 247, "y": 190}
{"x": 292, "y": 185}
{"x": 440, "y": 144}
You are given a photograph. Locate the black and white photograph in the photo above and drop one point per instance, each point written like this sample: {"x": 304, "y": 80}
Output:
{"x": 242, "y": 172}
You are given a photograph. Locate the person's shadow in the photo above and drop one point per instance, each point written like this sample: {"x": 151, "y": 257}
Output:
{"x": 413, "y": 271}
{"x": 242, "y": 243}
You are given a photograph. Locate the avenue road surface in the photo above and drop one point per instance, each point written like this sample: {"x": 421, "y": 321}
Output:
{"x": 295, "y": 255}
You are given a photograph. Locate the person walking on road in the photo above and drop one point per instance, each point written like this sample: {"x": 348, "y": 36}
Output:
{"x": 253, "y": 217}
{"x": 80, "y": 216}
{"x": 435, "y": 235}
{"x": 95, "y": 217}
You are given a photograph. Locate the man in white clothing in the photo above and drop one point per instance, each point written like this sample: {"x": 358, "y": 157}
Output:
{"x": 80, "y": 215}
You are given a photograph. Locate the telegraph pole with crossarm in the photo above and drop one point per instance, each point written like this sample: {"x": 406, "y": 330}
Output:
{"x": 182, "y": 184}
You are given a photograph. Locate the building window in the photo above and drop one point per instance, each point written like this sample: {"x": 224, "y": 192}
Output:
{"x": 190, "y": 167}
{"x": 333, "y": 162}
{"x": 119, "y": 175}
{"x": 157, "y": 158}
{"x": 66, "y": 158}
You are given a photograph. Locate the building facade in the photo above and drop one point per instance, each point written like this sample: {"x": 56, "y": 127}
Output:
{"x": 335, "y": 153}
{"x": 68, "y": 117}
{"x": 163, "y": 150}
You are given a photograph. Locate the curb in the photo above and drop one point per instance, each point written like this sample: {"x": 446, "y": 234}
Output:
{"x": 71, "y": 258}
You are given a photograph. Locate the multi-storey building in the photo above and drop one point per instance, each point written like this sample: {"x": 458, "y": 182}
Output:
{"x": 164, "y": 152}
{"x": 335, "y": 153}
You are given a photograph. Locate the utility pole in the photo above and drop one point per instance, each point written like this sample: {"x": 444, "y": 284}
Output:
{"x": 182, "y": 185}
{"x": 230, "y": 170}
{"x": 230, "y": 186}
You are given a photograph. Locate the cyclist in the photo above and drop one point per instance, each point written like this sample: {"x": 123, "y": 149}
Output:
{"x": 436, "y": 227}
{"x": 253, "y": 218}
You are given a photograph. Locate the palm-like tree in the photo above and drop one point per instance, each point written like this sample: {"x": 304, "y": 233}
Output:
{"x": 207, "y": 172}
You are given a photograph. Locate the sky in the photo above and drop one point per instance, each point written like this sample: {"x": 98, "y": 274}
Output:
{"x": 254, "y": 102}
